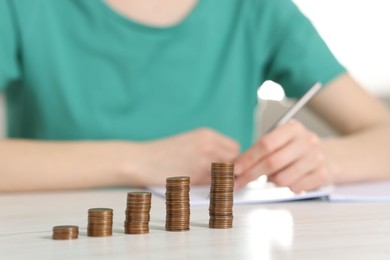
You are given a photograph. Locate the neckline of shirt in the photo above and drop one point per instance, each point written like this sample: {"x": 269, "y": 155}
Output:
{"x": 130, "y": 23}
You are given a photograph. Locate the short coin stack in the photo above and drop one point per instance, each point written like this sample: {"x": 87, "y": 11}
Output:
{"x": 100, "y": 222}
{"x": 221, "y": 195}
{"x": 65, "y": 232}
{"x": 138, "y": 212}
{"x": 177, "y": 204}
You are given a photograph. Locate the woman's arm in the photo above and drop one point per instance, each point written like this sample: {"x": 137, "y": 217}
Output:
{"x": 363, "y": 150}
{"x": 293, "y": 156}
{"x": 38, "y": 165}
{"x": 41, "y": 165}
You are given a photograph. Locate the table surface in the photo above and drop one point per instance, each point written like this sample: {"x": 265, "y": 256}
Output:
{"x": 296, "y": 230}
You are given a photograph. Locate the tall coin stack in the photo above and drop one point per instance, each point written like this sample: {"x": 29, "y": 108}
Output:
{"x": 177, "y": 203}
{"x": 221, "y": 195}
{"x": 100, "y": 222}
{"x": 138, "y": 212}
{"x": 65, "y": 232}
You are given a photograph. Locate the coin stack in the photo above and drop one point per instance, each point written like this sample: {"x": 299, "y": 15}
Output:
{"x": 221, "y": 195}
{"x": 65, "y": 232}
{"x": 138, "y": 212}
{"x": 100, "y": 222}
{"x": 177, "y": 203}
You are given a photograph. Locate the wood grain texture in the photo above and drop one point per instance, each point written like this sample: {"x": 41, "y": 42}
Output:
{"x": 299, "y": 230}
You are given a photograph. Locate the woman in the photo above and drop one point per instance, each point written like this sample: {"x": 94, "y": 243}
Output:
{"x": 131, "y": 92}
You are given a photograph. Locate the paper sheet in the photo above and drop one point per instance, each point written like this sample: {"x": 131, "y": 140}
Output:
{"x": 199, "y": 195}
{"x": 362, "y": 192}
{"x": 267, "y": 193}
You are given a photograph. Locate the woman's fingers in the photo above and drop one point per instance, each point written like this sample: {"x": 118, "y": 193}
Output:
{"x": 273, "y": 163}
{"x": 292, "y": 158}
{"x": 293, "y": 155}
{"x": 297, "y": 170}
{"x": 267, "y": 145}
{"x": 311, "y": 181}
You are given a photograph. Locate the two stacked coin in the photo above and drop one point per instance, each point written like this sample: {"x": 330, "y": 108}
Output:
{"x": 138, "y": 212}
{"x": 65, "y": 232}
{"x": 177, "y": 203}
{"x": 221, "y": 195}
{"x": 100, "y": 222}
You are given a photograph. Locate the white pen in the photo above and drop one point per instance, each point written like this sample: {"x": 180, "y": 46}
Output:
{"x": 297, "y": 106}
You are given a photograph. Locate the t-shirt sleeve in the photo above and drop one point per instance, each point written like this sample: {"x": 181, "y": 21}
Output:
{"x": 9, "y": 65}
{"x": 298, "y": 55}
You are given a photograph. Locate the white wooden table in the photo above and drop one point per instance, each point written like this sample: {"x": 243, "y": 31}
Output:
{"x": 298, "y": 230}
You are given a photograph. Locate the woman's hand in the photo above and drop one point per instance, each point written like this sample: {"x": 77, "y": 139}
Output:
{"x": 289, "y": 156}
{"x": 187, "y": 154}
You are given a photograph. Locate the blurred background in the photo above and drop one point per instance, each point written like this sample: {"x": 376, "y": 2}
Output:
{"x": 357, "y": 31}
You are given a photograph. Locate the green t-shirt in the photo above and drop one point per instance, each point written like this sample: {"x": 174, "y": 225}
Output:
{"x": 76, "y": 69}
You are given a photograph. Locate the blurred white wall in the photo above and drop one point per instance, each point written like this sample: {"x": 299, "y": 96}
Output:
{"x": 358, "y": 32}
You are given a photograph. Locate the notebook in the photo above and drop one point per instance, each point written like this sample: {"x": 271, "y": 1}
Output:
{"x": 268, "y": 193}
